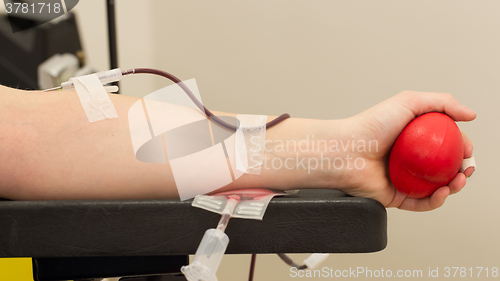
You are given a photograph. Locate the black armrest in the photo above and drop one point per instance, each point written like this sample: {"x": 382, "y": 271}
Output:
{"x": 321, "y": 221}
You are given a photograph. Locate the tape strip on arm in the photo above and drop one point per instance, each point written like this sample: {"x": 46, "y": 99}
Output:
{"x": 249, "y": 143}
{"x": 94, "y": 98}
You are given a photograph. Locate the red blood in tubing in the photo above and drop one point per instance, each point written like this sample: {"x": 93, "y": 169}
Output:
{"x": 426, "y": 155}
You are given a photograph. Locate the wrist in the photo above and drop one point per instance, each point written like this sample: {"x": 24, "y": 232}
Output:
{"x": 332, "y": 147}
{"x": 307, "y": 153}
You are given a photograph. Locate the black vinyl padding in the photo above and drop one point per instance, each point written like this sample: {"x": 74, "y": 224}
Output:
{"x": 312, "y": 221}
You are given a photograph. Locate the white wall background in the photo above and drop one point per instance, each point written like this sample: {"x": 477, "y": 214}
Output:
{"x": 332, "y": 59}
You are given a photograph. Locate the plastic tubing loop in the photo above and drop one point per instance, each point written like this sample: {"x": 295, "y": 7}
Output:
{"x": 208, "y": 113}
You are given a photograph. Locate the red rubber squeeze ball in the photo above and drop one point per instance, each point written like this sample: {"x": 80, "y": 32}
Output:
{"x": 427, "y": 155}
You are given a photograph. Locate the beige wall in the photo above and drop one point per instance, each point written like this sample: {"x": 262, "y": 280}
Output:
{"x": 333, "y": 59}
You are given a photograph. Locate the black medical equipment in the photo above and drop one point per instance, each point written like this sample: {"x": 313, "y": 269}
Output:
{"x": 21, "y": 53}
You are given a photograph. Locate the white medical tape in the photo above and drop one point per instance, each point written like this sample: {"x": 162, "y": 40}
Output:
{"x": 469, "y": 162}
{"x": 95, "y": 101}
{"x": 249, "y": 143}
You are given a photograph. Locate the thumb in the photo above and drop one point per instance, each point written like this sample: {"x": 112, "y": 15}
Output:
{"x": 422, "y": 102}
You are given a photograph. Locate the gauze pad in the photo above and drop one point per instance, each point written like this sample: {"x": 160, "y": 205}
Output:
{"x": 249, "y": 144}
{"x": 95, "y": 101}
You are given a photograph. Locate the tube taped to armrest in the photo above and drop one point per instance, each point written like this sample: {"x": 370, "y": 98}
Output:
{"x": 249, "y": 144}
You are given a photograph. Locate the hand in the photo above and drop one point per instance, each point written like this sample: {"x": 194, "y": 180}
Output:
{"x": 384, "y": 122}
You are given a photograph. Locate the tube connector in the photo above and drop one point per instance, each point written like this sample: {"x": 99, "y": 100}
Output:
{"x": 105, "y": 77}
{"x": 208, "y": 257}
{"x": 315, "y": 259}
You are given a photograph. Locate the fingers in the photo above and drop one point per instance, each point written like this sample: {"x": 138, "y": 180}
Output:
{"x": 424, "y": 102}
{"x": 467, "y": 146}
{"x": 457, "y": 183}
{"x": 468, "y": 172}
{"x": 435, "y": 201}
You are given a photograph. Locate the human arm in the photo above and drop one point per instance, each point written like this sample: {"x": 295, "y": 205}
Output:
{"x": 51, "y": 151}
